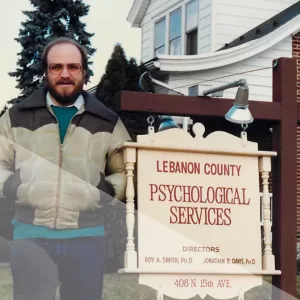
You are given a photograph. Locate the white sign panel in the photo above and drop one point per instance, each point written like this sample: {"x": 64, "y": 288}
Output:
{"x": 198, "y": 213}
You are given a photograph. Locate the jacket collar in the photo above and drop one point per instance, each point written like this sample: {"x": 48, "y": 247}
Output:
{"x": 35, "y": 100}
{"x": 91, "y": 104}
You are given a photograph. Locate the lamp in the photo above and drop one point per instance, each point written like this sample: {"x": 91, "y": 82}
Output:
{"x": 166, "y": 122}
{"x": 150, "y": 85}
{"x": 240, "y": 113}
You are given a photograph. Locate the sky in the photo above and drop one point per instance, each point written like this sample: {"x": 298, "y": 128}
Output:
{"x": 106, "y": 18}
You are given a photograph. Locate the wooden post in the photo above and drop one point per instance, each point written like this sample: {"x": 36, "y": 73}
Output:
{"x": 284, "y": 179}
{"x": 268, "y": 257}
{"x": 130, "y": 256}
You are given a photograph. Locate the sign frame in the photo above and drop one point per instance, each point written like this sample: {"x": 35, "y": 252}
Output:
{"x": 230, "y": 146}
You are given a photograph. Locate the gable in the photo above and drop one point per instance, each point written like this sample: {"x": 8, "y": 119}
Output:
{"x": 137, "y": 12}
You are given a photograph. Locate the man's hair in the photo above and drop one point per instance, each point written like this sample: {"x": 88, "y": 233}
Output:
{"x": 64, "y": 40}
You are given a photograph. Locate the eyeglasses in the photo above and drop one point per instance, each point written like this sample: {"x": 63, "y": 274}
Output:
{"x": 72, "y": 68}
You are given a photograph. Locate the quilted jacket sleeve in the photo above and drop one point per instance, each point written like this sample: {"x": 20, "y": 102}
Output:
{"x": 6, "y": 153}
{"x": 116, "y": 172}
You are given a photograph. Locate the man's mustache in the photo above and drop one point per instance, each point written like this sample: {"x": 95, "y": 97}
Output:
{"x": 65, "y": 82}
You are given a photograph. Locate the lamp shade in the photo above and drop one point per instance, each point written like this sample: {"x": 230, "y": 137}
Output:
{"x": 239, "y": 115}
{"x": 167, "y": 122}
{"x": 240, "y": 112}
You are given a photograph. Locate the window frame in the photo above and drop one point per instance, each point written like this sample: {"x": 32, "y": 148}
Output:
{"x": 183, "y": 37}
{"x": 190, "y": 88}
{"x": 179, "y": 37}
{"x": 192, "y": 29}
{"x": 164, "y": 44}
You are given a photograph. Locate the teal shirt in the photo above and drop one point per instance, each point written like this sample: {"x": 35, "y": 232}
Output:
{"x": 25, "y": 231}
{"x": 64, "y": 116}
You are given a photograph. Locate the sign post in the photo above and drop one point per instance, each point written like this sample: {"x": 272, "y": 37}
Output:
{"x": 198, "y": 213}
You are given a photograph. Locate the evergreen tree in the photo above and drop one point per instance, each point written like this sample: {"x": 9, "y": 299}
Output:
{"x": 49, "y": 19}
{"x": 114, "y": 78}
{"x": 133, "y": 73}
{"x": 122, "y": 74}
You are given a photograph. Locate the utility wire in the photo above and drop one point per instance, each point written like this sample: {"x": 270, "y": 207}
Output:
{"x": 199, "y": 82}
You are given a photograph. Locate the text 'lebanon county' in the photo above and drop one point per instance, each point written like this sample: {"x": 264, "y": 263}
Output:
{"x": 195, "y": 168}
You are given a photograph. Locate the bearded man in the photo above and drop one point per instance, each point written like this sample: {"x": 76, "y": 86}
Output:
{"x": 61, "y": 161}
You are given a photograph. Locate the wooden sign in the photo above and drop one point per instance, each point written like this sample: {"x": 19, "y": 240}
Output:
{"x": 199, "y": 228}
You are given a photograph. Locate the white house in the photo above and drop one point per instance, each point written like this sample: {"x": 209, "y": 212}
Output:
{"x": 199, "y": 44}
{"x": 187, "y": 38}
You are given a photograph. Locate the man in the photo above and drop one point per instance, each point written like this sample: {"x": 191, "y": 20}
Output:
{"x": 60, "y": 159}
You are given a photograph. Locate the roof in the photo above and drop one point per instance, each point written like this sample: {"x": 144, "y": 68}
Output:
{"x": 266, "y": 27}
{"x": 137, "y": 12}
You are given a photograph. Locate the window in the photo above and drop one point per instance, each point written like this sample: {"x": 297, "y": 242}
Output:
{"x": 192, "y": 42}
{"x": 192, "y": 16}
{"x": 160, "y": 36}
{"x": 182, "y": 37}
{"x": 175, "y": 32}
{"x": 193, "y": 90}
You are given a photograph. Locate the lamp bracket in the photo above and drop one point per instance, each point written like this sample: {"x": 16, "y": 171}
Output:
{"x": 237, "y": 83}
{"x": 150, "y": 121}
{"x": 244, "y": 126}
{"x": 244, "y": 135}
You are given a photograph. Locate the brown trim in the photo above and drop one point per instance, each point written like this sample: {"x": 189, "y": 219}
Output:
{"x": 284, "y": 173}
{"x": 191, "y": 106}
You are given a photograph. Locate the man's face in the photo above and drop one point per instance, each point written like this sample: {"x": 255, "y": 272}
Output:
{"x": 65, "y": 75}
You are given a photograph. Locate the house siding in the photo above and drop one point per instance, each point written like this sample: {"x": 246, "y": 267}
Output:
{"x": 220, "y": 21}
{"x": 205, "y": 26}
{"x": 296, "y": 55}
{"x": 233, "y": 17}
{"x": 160, "y": 8}
{"x": 257, "y": 70}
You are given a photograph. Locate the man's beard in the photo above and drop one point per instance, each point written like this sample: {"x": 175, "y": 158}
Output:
{"x": 65, "y": 98}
